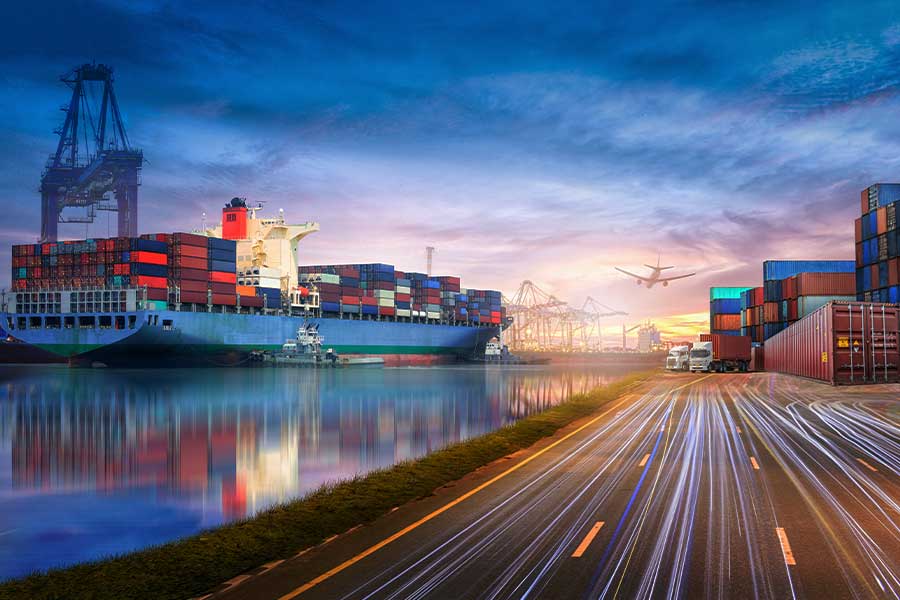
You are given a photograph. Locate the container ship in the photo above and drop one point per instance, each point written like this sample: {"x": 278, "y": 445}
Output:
{"x": 213, "y": 297}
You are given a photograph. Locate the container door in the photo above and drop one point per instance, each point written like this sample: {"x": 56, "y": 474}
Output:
{"x": 884, "y": 352}
{"x": 850, "y": 356}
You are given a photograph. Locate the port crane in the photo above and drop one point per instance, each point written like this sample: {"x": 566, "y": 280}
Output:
{"x": 94, "y": 167}
{"x": 542, "y": 322}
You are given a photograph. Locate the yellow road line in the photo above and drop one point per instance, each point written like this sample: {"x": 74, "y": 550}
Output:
{"x": 378, "y": 546}
{"x": 868, "y": 466}
{"x": 785, "y": 546}
{"x": 587, "y": 539}
{"x": 644, "y": 460}
{"x": 754, "y": 463}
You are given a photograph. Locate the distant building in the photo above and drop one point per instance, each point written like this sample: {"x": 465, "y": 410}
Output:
{"x": 648, "y": 338}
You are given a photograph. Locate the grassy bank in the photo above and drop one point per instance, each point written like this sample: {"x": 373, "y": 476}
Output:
{"x": 194, "y": 565}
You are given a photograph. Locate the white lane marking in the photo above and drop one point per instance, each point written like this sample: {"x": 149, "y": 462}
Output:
{"x": 867, "y": 465}
{"x": 587, "y": 539}
{"x": 785, "y": 546}
{"x": 644, "y": 460}
{"x": 237, "y": 580}
{"x": 754, "y": 463}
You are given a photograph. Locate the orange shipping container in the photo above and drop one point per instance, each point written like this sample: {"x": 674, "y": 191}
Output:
{"x": 152, "y": 282}
{"x": 894, "y": 271}
{"x": 859, "y": 230}
{"x": 770, "y": 312}
{"x": 881, "y": 218}
{"x": 246, "y": 290}
{"x": 720, "y": 322}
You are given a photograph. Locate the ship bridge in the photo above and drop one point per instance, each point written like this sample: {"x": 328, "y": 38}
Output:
{"x": 269, "y": 243}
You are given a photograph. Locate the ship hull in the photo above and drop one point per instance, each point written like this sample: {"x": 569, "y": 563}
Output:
{"x": 173, "y": 338}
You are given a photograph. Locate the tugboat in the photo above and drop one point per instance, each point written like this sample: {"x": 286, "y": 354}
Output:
{"x": 306, "y": 351}
{"x": 497, "y": 353}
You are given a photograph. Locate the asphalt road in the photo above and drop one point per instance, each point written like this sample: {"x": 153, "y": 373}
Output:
{"x": 737, "y": 486}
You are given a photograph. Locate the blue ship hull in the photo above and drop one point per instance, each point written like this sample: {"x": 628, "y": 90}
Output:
{"x": 173, "y": 338}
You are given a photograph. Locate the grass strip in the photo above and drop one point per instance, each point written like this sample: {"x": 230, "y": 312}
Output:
{"x": 196, "y": 564}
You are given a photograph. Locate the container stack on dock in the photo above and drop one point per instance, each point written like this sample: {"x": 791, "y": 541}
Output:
{"x": 752, "y": 302}
{"x": 878, "y": 244}
{"x": 725, "y": 310}
{"x": 378, "y": 289}
{"x": 796, "y": 287}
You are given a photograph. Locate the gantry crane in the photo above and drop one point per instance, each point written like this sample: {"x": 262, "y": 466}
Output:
{"x": 93, "y": 159}
{"x": 542, "y": 322}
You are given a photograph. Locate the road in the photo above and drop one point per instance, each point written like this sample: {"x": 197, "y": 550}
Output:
{"x": 741, "y": 486}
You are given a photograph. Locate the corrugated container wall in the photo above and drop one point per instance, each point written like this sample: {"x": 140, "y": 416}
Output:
{"x": 840, "y": 343}
{"x": 782, "y": 269}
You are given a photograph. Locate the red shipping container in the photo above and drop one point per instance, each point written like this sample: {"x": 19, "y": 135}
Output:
{"x": 193, "y": 297}
{"x": 352, "y": 300}
{"x": 720, "y": 321}
{"x": 189, "y": 262}
{"x": 402, "y": 297}
{"x": 894, "y": 271}
{"x": 757, "y": 358}
{"x": 190, "y": 239}
{"x": 770, "y": 312}
{"x": 351, "y": 291}
{"x": 874, "y": 275}
{"x": 792, "y": 310}
{"x": 881, "y": 220}
{"x": 191, "y": 251}
{"x": 146, "y": 280}
{"x": 223, "y": 288}
{"x": 789, "y": 288}
{"x": 224, "y": 299}
{"x": 222, "y": 277}
{"x": 858, "y": 224}
{"x": 157, "y": 294}
{"x": 826, "y": 284}
{"x": 194, "y": 274}
{"x": 152, "y": 258}
{"x": 859, "y": 255}
{"x": 368, "y": 301}
{"x": 253, "y": 301}
{"x": 864, "y": 201}
{"x": 385, "y": 285}
{"x": 386, "y": 311}
{"x": 840, "y": 343}
{"x": 728, "y": 347}
{"x": 190, "y": 285}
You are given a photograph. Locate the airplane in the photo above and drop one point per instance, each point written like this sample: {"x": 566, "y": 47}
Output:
{"x": 654, "y": 277}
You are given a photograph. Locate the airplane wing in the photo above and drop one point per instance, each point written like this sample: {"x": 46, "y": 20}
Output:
{"x": 674, "y": 278}
{"x": 630, "y": 274}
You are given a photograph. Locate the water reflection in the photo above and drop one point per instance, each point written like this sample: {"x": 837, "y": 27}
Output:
{"x": 100, "y": 462}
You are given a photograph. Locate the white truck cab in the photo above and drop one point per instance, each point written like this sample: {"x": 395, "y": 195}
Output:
{"x": 678, "y": 358}
{"x": 701, "y": 356}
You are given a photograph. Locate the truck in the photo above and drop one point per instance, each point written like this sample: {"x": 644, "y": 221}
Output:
{"x": 717, "y": 353}
{"x": 679, "y": 358}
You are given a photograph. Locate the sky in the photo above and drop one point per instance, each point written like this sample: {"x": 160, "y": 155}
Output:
{"x": 534, "y": 141}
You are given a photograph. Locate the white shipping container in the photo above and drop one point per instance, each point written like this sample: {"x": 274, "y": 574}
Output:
{"x": 403, "y": 312}
{"x": 433, "y": 315}
{"x": 385, "y": 302}
{"x": 321, "y": 278}
{"x": 402, "y": 289}
{"x": 384, "y": 294}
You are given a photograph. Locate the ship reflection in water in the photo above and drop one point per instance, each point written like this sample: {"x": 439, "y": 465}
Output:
{"x": 97, "y": 462}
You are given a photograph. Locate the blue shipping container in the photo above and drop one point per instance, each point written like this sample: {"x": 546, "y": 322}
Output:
{"x": 149, "y": 270}
{"x": 882, "y": 194}
{"x": 369, "y": 310}
{"x": 331, "y": 307}
{"x": 220, "y": 244}
{"x": 782, "y": 269}
{"x": 224, "y": 255}
{"x": 149, "y": 245}
{"x": 894, "y": 294}
{"x": 223, "y": 266}
{"x": 722, "y": 306}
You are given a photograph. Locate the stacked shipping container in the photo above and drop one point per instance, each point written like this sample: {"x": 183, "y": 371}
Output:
{"x": 752, "y": 321}
{"x": 201, "y": 269}
{"x": 725, "y": 310}
{"x": 793, "y": 288}
{"x": 878, "y": 244}
{"x": 379, "y": 289}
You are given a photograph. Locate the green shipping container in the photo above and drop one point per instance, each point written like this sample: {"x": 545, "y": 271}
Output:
{"x": 716, "y": 293}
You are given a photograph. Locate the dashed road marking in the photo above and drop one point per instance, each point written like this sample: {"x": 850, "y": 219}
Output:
{"x": 785, "y": 546}
{"x": 587, "y": 539}
{"x": 867, "y": 465}
{"x": 644, "y": 460}
{"x": 754, "y": 463}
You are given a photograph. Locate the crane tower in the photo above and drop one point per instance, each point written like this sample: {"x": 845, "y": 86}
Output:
{"x": 94, "y": 167}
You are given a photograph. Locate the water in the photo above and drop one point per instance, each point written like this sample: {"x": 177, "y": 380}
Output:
{"x": 98, "y": 462}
